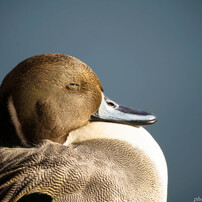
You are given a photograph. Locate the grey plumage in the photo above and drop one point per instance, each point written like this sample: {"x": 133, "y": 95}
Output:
{"x": 78, "y": 173}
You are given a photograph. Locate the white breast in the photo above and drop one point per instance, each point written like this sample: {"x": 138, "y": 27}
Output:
{"x": 138, "y": 137}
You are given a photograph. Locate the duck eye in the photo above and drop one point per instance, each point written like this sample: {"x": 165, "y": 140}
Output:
{"x": 73, "y": 86}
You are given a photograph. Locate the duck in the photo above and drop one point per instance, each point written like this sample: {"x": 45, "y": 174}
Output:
{"x": 63, "y": 139}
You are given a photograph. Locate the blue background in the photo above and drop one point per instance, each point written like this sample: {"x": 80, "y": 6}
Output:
{"x": 147, "y": 54}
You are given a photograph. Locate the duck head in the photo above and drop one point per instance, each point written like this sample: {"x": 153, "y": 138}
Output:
{"x": 47, "y": 96}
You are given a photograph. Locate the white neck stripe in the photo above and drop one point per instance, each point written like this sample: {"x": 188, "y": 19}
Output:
{"x": 15, "y": 121}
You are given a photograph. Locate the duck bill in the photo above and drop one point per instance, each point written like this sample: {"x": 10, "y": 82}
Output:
{"x": 109, "y": 111}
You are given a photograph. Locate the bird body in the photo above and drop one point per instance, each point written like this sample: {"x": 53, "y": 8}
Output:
{"x": 95, "y": 149}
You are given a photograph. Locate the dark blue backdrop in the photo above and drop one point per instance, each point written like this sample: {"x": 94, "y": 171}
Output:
{"x": 147, "y": 54}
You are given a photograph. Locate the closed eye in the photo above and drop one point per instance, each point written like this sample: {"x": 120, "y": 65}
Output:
{"x": 73, "y": 86}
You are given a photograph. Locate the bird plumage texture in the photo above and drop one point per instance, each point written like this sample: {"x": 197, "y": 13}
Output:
{"x": 50, "y": 148}
{"x": 80, "y": 172}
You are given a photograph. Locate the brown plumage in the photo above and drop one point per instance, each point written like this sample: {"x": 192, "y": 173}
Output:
{"x": 41, "y": 89}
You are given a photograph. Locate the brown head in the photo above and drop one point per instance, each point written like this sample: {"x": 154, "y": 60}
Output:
{"x": 49, "y": 95}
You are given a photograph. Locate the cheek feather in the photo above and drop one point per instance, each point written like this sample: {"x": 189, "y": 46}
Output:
{"x": 95, "y": 100}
